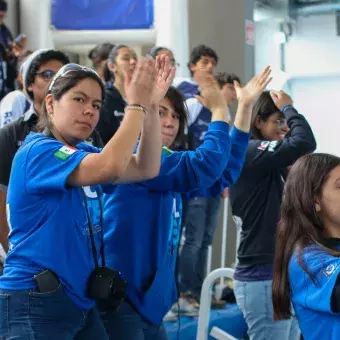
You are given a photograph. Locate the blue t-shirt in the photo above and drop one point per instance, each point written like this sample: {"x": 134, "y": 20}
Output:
{"x": 48, "y": 223}
{"x": 312, "y": 301}
{"x": 142, "y": 221}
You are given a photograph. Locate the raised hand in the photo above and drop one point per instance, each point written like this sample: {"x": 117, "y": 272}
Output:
{"x": 253, "y": 89}
{"x": 142, "y": 83}
{"x": 281, "y": 99}
{"x": 211, "y": 95}
{"x": 19, "y": 49}
{"x": 165, "y": 75}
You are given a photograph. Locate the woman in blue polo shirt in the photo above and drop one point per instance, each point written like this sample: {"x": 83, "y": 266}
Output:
{"x": 142, "y": 221}
{"x": 56, "y": 260}
{"x": 307, "y": 255}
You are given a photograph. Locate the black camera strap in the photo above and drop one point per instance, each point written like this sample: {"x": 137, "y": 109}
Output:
{"x": 48, "y": 133}
{"x": 93, "y": 244}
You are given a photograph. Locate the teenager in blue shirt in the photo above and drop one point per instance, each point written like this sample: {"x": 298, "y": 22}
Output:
{"x": 307, "y": 254}
{"x": 54, "y": 201}
{"x": 142, "y": 221}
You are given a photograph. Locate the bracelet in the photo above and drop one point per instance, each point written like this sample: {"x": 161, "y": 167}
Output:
{"x": 136, "y": 107}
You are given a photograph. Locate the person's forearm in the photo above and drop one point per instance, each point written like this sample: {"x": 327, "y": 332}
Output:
{"x": 112, "y": 163}
{"x": 243, "y": 116}
{"x": 4, "y": 229}
{"x": 219, "y": 114}
{"x": 120, "y": 147}
{"x": 149, "y": 151}
{"x": 4, "y": 233}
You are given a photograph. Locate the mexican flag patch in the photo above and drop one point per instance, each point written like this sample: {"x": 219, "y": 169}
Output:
{"x": 64, "y": 153}
{"x": 166, "y": 151}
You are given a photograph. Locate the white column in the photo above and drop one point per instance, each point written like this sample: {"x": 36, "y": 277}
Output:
{"x": 11, "y": 17}
{"x": 35, "y": 17}
{"x": 172, "y": 30}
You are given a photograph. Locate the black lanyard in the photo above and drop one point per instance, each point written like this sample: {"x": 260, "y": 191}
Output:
{"x": 93, "y": 244}
{"x": 48, "y": 133}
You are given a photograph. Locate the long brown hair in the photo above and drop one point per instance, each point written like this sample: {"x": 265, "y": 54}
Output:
{"x": 300, "y": 226}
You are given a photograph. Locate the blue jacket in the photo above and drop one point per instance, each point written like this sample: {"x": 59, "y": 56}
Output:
{"x": 313, "y": 301}
{"x": 142, "y": 221}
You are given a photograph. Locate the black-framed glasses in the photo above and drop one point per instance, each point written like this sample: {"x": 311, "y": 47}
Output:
{"x": 72, "y": 67}
{"x": 47, "y": 75}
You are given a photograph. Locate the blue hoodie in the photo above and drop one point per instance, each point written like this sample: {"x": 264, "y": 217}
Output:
{"x": 142, "y": 221}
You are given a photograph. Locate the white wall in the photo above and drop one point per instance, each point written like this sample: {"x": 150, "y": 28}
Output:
{"x": 313, "y": 61}
{"x": 314, "y": 48}
{"x": 319, "y": 100}
{"x": 267, "y": 50}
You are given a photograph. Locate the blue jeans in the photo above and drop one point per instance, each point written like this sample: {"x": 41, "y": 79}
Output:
{"x": 127, "y": 324}
{"x": 200, "y": 225}
{"x": 255, "y": 301}
{"x": 28, "y": 315}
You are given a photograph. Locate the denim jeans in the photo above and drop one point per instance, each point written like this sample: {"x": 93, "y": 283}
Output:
{"x": 28, "y": 315}
{"x": 127, "y": 324}
{"x": 200, "y": 225}
{"x": 255, "y": 301}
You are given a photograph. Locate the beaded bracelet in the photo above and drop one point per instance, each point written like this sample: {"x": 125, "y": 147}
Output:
{"x": 136, "y": 107}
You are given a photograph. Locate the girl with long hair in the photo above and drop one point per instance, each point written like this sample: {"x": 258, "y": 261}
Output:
{"x": 307, "y": 256}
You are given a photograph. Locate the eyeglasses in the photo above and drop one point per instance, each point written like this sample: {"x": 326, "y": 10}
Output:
{"x": 281, "y": 122}
{"x": 66, "y": 69}
{"x": 47, "y": 75}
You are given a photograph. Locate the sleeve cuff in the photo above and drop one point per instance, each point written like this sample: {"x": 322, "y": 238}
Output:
{"x": 289, "y": 111}
{"x": 285, "y": 107}
{"x": 219, "y": 125}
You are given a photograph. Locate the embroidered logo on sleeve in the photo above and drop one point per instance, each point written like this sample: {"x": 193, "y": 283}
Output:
{"x": 330, "y": 269}
{"x": 263, "y": 146}
{"x": 64, "y": 153}
{"x": 166, "y": 151}
{"x": 272, "y": 145}
{"x": 268, "y": 145}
